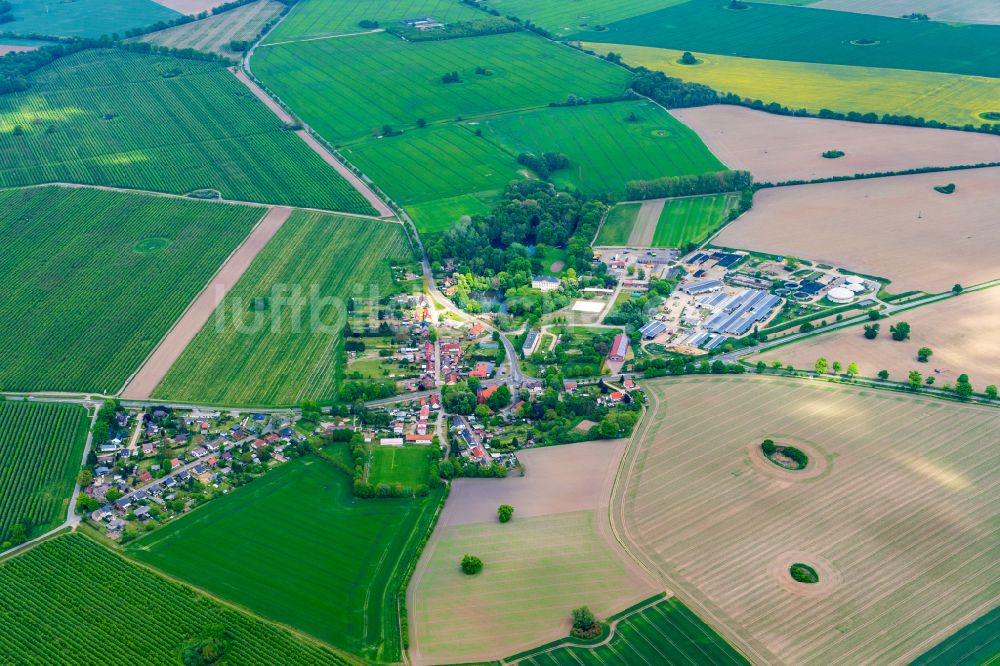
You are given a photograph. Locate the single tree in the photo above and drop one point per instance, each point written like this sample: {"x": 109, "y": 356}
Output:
{"x": 957, "y": 288}
{"x": 871, "y": 331}
{"x": 929, "y": 380}
{"x": 874, "y": 315}
{"x": 688, "y": 59}
{"x": 991, "y": 391}
{"x": 923, "y": 354}
{"x": 505, "y": 512}
{"x": 421, "y": 122}
{"x": 852, "y": 369}
{"x": 776, "y": 365}
{"x": 900, "y": 331}
{"x": 837, "y": 367}
{"x": 471, "y": 565}
{"x": 822, "y": 367}
{"x": 914, "y": 379}
{"x": 963, "y": 388}
{"x": 761, "y": 366}
{"x": 883, "y": 374}
{"x": 585, "y": 625}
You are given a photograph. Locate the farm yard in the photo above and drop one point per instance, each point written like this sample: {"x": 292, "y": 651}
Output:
{"x": 120, "y": 119}
{"x": 81, "y": 330}
{"x": 40, "y": 449}
{"x": 337, "y": 560}
{"x": 782, "y": 148}
{"x": 897, "y": 227}
{"x": 50, "y": 584}
{"x": 319, "y": 79}
{"x": 84, "y": 18}
{"x": 897, "y": 524}
{"x": 802, "y": 34}
{"x": 949, "y": 98}
{"x": 960, "y": 331}
{"x": 213, "y": 34}
{"x": 276, "y": 337}
{"x": 556, "y": 554}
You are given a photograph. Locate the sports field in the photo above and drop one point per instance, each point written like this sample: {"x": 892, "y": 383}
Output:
{"x": 897, "y": 227}
{"x": 213, "y": 34}
{"x": 84, "y": 18}
{"x": 41, "y": 445}
{"x": 896, "y": 512}
{"x": 275, "y": 339}
{"x": 96, "y": 278}
{"x": 608, "y": 145}
{"x": 948, "y": 98}
{"x": 403, "y": 81}
{"x": 663, "y": 632}
{"x": 94, "y": 597}
{"x": 691, "y": 219}
{"x": 297, "y": 547}
{"x": 565, "y": 18}
{"x": 106, "y": 117}
{"x": 618, "y": 225}
{"x": 802, "y": 34}
{"x": 405, "y": 465}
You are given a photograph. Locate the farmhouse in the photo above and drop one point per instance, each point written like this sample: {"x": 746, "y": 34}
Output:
{"x": 618, "y": 348}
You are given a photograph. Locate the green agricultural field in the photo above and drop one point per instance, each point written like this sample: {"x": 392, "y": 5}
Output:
{"x": 565, "y": 18}
{"x": 106, "y": 117}
{"x": 976, "y": 643}
{"x": 111, "y": 611}
{"x": 402, "y": 81}
{"x": 40, "y": 449}
{"x": 298, "y": 548}
{"x": 666, "y": 632}
{"x": 691, "y": 219}
{"x": 319, "y": 18}
{"x": 94, "y": 280}
{"x": 213, "y": 34}
{"x": 84, "y": 18}
{"x": 802, "y": 34}
{"x": 618, "y": 225}
{"x": 406, "y": 465}
{"x": 608, "y": 145}
{"x": 439, "y": 215}
{"x": 289, "y": 349}
{"x": 949, "y": 98}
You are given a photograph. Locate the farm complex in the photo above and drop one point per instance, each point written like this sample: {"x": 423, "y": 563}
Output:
{"x": 526, "y": 332}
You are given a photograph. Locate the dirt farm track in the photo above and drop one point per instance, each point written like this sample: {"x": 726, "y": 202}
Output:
{"x": 900, "y": 523}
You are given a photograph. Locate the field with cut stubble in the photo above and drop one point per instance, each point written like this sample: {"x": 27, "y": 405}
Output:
{"x": 896, "y": 511}
{"x": 214, "y": 33}
{"x": 275, "y": 339}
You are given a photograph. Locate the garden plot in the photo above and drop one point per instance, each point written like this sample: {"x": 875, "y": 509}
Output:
{"x": 780, "y": 148}
{"x": 899, "y": 517}
{"x": 556, "y": 554}
{"x": 897, "y": 227}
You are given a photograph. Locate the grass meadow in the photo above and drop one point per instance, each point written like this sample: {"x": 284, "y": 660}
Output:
{"x": 84, "y": 18}
{"x": 949, "y": 98}
{"x": 289, "y": 349}
{"x": 618, "y": 225}
{"x": 96, "y": 278}
{"x": 52, "y": 584}
{"x": 666, "y": 632}
{"x": 406, "y": 465}
{"x": 40, "y": 449}
{"x": 691, "y": 219}
{"x": 402, "y": 80}
{"x": 214, "y": 33}
{"x": 104, "y": 117}
{"x": 297, "y": 547}
{"x": 801, "y": 34}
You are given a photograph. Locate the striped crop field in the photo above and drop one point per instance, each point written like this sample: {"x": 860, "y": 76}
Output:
{"x": 403, "y": 80}
{"x": 949, "y": 98}
{"x": 85, "y": 18}
{"x": 40, "y": 449}
{"x": 691, "y": 219}
{"x": 565, "y": 18}
{"x": 618, "y": 225}
{"x": 213, "y": 34}
{"x": 664, "y": 632}
{"x": 896, "y": 510}
{"x": 94, "y": 279}
{"x": 121, "y": 119}
{"x": 111, "y": 611}
{"x": 276, "y": 337}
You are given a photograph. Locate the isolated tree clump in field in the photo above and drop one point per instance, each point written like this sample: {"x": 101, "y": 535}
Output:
{"x": 871, "y": 331}
{"x": 688, "y": 59}
{"x": 923, "y": 354}
{"x": 833, "y": 154}
{"x": 471, "y": 565}
{"x": 585, "y": 625}
{"x": 803, "y": 573}
{"x": 900, "y": 331}
{"x": 505, "y": 512}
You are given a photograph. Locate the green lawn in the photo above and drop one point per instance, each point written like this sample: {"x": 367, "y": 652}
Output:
{"x": 691, "y": 219}
{"x": 402, "y": 82}
{"x": 84, "y": 18}
{"x": 977, "y": 643}
{"x": 297, "y": 547}
{"x": 72, "y": 601}
{"x": 109, "y": 117}
{"x": 94, "y": 280}
{"x": 290, "y": 349}
{"x": 40, "y": 449}
{"x": 618, "y": 224}
{"x": 406, "y": 465}
{"x": 664, "y": 633}
{"x": 782, "y": 32}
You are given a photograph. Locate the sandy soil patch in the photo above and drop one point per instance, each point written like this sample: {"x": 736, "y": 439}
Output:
{"x": 962, "y": 333}
{"x": 902, "y": 528}
{"x": 592, "y": 307}
{"x": 189, "y": 6}
{"x": 15, "y": 48}
{"x": 779, "y": 148}
{"x": 897, "y": 227}
{"x": 645, "y": 223}
{"x": 958, "y": 11}
{"x": 557, "y": 266}
{"x": 141, "y": 386}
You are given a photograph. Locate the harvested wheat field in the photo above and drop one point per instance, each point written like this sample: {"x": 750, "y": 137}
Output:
{"x": 960, "y": 331}
{"x": 957, "y": 11}
{"x": 554, "y": 555}
{"x": 897, "y": 510}
{"x": 897, "y": 227}
{"x": 780, "y": 148}
{"x": 189, "y": 7}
